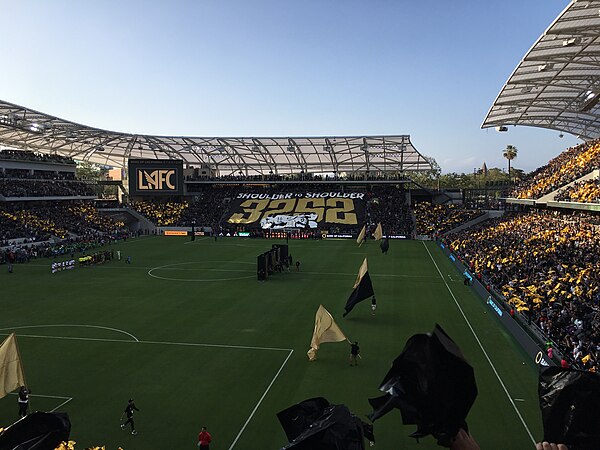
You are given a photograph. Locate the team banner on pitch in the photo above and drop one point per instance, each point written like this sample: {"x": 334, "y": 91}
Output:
{"x": 309, "y": 210}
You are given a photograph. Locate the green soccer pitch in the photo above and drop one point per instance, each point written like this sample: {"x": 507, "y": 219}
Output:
{"x": 189, "y": 333}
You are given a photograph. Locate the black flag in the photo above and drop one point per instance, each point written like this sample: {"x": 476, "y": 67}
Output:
{"x": 432, "y": 384}
{"x": 569, "y": 402}
{"x": 315, "y": 424}
{"x": 363, "y": 288}
{"x": 39, "y": 431}
{"x": 385, "y": 246}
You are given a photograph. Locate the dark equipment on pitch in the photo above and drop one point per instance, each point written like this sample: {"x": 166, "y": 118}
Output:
{"x": 384, "y": 246}
{"x": 315, "y": 424}
{"x": 432, "y": 385}
{"x": 569, "y": 402}
{"x": 37, "y": 431}
{"x": 271, "y": 262}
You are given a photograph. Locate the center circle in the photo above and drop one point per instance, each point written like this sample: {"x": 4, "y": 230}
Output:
{"x": 155, "y": 272}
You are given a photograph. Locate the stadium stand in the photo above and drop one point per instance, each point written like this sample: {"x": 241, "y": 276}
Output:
{"x": 11, "y": 187}
{"x": 570, "y": 165}
{"x": 26, "y": 155}
{"x": 587, "y": 191}
{"x": 58, "y": 219}
{"x": 545, "y": 264}
{"x": 385, "y": 204}
{"x": 438, "y": 219}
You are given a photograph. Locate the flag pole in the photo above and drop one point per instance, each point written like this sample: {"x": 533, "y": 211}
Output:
{"x": 20, "y": 359}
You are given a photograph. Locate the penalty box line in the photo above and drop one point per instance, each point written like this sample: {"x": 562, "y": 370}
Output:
{"x": 66, "y": 399}
{"x": 182, "y": 344}
{"x": 188, "y": 344}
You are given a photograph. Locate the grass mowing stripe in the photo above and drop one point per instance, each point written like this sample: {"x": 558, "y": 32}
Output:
{"x": 481, "y": 346}
{"x": 260, "y": 401}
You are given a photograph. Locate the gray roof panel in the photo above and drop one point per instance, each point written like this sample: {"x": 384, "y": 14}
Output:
{"x": 24, "y": 128}
{"x": 557, "y": 84}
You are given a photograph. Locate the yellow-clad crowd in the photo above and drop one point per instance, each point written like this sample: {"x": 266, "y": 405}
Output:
{"x": 161, "y": 214}
{"x": 587, "y": 191}
{"x": 546, "y": 264}
{"x": 56, "y": 218}
{"x": 88, "y": 213}
{"x": 71, "y": 446}
{"x": 30, "y": 220}
{"x": 432, "y": 219}
{"x": 570, "y": 165}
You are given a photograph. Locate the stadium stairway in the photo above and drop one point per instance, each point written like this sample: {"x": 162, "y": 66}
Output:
{"x": 491, "y": 214}
{"x": 144, "y": 222}
{"x": 544, "y": 200}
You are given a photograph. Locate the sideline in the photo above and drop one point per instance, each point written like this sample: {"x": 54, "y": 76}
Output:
{"x": 482, "y": 349}
{"x": 260, "y": 401}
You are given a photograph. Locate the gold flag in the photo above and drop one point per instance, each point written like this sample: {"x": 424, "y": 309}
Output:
{"x": 361, "y": 236}
{"x": 326, "y": 330}
{"x": 378, "y": 232}
{"x": 11, "y": 370}
{"x": 586, "y": 358}
{"x": 361, "y": 273}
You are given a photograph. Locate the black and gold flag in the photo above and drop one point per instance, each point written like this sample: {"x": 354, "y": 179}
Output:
{"x": 363, "y": 288}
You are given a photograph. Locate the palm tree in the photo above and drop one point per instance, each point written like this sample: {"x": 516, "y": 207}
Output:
{"x": 510, "y": 153}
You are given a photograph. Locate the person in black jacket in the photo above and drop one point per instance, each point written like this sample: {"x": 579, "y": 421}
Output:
{"x": 129, "y": 413}
{"x": 23, "y": 400}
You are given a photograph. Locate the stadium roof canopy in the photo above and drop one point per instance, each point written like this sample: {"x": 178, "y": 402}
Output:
{"x": 557, "y": 84}
{"x": 24, "y": 128}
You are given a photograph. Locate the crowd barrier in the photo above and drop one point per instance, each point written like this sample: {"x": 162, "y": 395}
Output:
{"x": 532, "y": 346}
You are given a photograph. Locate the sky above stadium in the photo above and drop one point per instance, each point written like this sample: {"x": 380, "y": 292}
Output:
{"x": 282, "y": 68}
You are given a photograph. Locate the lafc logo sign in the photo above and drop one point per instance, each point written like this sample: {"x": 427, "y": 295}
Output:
{"x": 156, "y": 180}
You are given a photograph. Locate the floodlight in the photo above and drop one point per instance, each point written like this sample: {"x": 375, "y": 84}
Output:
{"x": 590, "y": 100}
{"x": 571, "y": 41}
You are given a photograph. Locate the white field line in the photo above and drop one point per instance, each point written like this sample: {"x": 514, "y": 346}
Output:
{"x": 192, "y": 344}
{"x": 62, "y": 404}
{"x": 260, "y": 401}
{"x": 348, "y": 274}
{"x": 482, "y": 349}
{"x": 182, "y": 344}
{"x": 72, "y": 325}
{"x": 66, "y": 399}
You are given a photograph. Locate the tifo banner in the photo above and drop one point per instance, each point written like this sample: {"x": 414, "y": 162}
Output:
{"x": 155, "y": 177}
{"x": 309, "y": 210}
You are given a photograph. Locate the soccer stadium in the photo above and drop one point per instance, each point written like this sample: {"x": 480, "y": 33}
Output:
{"x": 301, "y": 292}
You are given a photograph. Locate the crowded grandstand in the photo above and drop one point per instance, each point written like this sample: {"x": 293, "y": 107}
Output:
{"x": 525, "y": 246}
